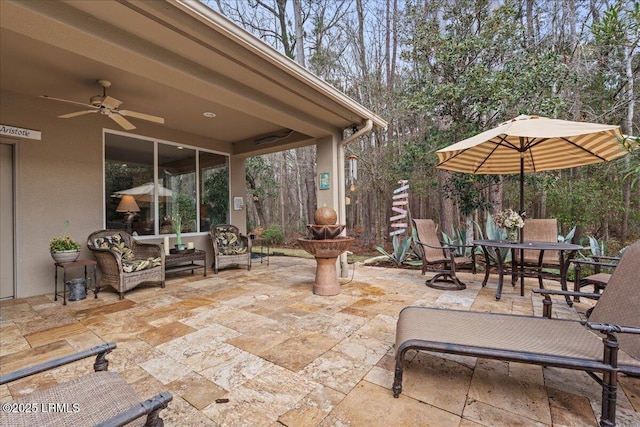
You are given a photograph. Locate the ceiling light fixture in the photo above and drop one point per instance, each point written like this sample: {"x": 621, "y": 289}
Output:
{"x": 209, "y": 114}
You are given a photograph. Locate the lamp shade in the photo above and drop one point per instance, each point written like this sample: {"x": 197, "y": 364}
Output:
{"x": 127, "y": 204}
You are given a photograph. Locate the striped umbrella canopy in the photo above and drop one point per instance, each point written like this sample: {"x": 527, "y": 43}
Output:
{"x": 532, "y": 144}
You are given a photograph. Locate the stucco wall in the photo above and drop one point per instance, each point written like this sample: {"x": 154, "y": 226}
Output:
{"x": 60, "y": 178}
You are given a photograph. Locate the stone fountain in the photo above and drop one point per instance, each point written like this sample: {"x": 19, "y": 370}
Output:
{"x": 326, "y": 245}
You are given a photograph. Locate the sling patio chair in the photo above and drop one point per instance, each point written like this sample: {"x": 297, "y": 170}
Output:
{"x": 441, "y": 258}
{"x": 599, "y": 279}
{"x": 605, "y": 345}
{"x": 540, "y": 230}
{"x": 101, "y": 398}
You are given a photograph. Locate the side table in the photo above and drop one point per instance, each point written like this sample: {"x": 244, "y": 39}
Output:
{"x": 263, "y": 243}
{"x": 185, "y": 260}
{"x": 79, "y": 263}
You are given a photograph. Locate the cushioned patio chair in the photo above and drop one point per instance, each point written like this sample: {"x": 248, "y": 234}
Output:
{"x": 609, "y": 343}
{"x": 124, "y": 262}
{"x": 440, "y": 258}
{"x": 230, "y": 247}
{"x": 98, "y": 398}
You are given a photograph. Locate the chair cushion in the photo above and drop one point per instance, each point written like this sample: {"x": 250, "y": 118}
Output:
{"x": 115, "y": 243}
{"x": 140, "y": 264}
{"x": 84, "y": 401}
{"x": 229, "y": 242}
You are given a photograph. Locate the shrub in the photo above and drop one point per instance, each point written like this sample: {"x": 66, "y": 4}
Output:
{"x": 273, "y": 235}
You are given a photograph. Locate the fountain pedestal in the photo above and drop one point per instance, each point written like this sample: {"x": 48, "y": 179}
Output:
{"x": 326, "y": 253}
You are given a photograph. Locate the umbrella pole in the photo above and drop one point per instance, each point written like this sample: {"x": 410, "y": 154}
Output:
{"x": 521, "y": 212}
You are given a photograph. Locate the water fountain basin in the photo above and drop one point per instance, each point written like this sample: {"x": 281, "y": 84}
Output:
{"x": 327, "y": 248}
{"x": 323, "y": 232}
{"x": 326, "y": 253}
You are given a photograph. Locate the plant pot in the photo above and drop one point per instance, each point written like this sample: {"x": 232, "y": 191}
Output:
{"x": 512, "y": 235}
{"x": 65, "y": 256}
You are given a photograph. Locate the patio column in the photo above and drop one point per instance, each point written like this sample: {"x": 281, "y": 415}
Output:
{"x": 330, "y": 160}
{"x": 238, "y": 188}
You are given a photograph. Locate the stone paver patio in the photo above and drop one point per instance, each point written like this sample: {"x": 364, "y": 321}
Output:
{"x": 285, "y": 357}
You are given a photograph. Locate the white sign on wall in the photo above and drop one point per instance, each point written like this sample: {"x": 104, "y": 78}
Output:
{"x": 15, "y": 132}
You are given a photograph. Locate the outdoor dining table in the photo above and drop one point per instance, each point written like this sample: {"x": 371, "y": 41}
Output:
{"x": 566, "y": 250}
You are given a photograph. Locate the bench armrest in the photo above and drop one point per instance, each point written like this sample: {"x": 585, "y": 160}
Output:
{"x": 548, "y": 302}
{"x": 101, "y": 363}
{"x": 150, "y": 407}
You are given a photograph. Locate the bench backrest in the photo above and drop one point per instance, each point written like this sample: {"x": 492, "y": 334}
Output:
{"x": 426, "y": 231}
{"x": 620, "y": 300}
{"x": 541, "y": 230}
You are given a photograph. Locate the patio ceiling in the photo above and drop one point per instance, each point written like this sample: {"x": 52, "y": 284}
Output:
{"x": 173, "y": 59}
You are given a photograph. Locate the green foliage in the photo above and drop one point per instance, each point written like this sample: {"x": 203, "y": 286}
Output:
{"x": 568, "y": 237}
{"x": 458, "y": 240}
{"x": 493, "y": 232}
{"x": 216, "y": 197}
{"x": 64, "y": 242}
{"x": 401, "y": 250}
{"x": 183, "y": 213}
{"x": 579, "y": 199}
{"x": 632, "y": 170}
{"x": 261, "y": 178}
{"x": 467, "y": 189}
{"x": 273, "y": 235}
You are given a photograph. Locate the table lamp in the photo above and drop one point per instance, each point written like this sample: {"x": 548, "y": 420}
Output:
{"x": 128, "y": 204}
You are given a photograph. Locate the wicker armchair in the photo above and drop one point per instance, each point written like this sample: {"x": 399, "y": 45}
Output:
{"x": 124, "y": 262}
{"x": 230, "y": 248}
{"x": 99, "y": 398}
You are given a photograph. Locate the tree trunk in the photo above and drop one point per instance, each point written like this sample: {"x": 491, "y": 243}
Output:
{"x": 447, "y": 216}
{"x": 628, "y": 129}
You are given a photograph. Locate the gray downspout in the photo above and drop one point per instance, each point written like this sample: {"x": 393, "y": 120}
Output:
{"x": 342, "y": 215}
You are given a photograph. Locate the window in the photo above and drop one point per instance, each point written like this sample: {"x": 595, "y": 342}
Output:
{"x": 143, "y": 195}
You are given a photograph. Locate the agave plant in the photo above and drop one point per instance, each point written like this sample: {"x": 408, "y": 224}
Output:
{"x": 401, "y": 250}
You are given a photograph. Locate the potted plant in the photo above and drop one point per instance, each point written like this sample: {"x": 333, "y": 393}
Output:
{"x": 177, "y": 224}
{"x": 64, "y": 248}
{"x": 511, "y": 221}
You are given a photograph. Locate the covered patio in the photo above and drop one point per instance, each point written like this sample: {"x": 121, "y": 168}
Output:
{"x": 285, "y": 357}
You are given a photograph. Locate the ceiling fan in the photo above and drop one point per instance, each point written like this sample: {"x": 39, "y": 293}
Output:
{"x": 108, "y": 106}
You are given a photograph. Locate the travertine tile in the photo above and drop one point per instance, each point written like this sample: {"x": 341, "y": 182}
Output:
{"x": 283, "y": 356}
{"x": 165, "y": 333}
{"x": 570, "y": 409}
{"x": 297, "y": 352}
{"x": 526, "y": 399}
{"x": 438, "y": 382}
{"x": 197, "y": 390}
{"x": 47, "y": 336}
{"x": 313, "y": 408}
{"x": 371, "y": 405}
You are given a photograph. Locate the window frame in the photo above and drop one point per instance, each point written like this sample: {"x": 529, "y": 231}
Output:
{"x": 156, "y": 142}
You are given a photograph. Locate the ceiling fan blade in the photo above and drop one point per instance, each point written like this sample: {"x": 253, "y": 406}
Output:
{"x": 142, "y": 116}
{"x": 126, "y": 124}
{"x": 84, "y": 104}
{"x": 77, "y": 113}
{"x": 111, "y": 103}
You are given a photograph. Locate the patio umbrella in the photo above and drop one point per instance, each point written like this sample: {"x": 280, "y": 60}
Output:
{"x": 145, "y": 192}
{"x": 532, "y": 144}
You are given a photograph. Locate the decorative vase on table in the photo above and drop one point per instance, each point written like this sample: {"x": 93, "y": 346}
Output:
{"x": 512, "y": 235}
